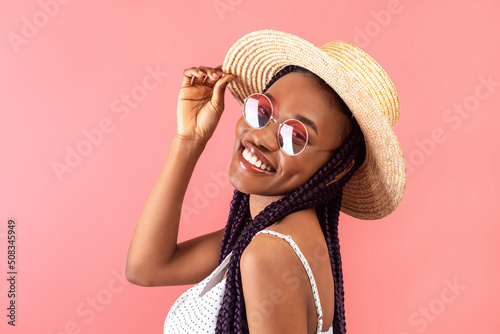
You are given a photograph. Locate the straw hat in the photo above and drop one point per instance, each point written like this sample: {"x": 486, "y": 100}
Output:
{"x": 376, "y": 188}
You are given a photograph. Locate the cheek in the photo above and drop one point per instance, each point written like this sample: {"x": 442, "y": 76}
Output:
{"x": 307, "y": 165}
{"x": 240, "y": 130}
{"x": 241, "y": 127}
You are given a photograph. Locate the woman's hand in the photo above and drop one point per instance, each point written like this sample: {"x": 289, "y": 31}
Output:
{"x": 201, "y": 102}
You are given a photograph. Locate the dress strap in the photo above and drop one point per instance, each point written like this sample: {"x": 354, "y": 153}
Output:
{"x": 302, "y": 258}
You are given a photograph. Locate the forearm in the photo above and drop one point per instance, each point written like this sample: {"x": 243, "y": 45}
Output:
{"x": 155, "y": 238}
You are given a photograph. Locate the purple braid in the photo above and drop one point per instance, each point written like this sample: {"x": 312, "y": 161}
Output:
{"x": 316, "y": 192}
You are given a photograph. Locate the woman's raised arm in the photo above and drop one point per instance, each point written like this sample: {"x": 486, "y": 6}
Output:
{"x": 154, "y": 257}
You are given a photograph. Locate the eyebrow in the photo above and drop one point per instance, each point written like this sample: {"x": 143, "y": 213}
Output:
{"x": 301, "y": 118}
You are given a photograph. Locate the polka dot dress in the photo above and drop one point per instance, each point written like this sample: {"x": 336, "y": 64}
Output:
{"x": 196, "y": 310}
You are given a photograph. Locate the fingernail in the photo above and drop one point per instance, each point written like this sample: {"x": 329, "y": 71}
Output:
{"x": 215, "y": 74}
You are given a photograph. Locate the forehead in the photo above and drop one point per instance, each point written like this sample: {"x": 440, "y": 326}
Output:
{"x": 299, "y": 94}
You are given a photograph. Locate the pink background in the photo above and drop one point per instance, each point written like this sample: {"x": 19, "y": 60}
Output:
{"x": 430, "y": 267}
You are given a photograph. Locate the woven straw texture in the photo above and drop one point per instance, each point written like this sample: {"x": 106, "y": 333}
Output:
{"x": 377, "y": 187}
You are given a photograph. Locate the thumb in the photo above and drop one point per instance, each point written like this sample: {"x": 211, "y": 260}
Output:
{"x": 219, "y": 90}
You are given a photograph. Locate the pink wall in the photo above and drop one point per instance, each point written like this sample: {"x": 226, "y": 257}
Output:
{"x": 431, "y": 267}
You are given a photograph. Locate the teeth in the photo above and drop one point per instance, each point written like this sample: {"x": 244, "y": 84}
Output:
{"x": 254, "y": 160}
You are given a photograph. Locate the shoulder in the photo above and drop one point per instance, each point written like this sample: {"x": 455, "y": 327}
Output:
{"x": 267, "y": 252}
{"x": 271, "y": 300}
{"x": 270, "y": 251}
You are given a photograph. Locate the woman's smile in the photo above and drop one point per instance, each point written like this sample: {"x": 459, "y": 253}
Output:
{"x": 253, "y": 160}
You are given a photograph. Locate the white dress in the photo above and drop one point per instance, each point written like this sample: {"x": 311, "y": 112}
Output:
{"x": 196, "y": 310}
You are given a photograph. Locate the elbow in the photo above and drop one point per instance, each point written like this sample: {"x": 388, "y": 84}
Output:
{"x": 137, "y": 276}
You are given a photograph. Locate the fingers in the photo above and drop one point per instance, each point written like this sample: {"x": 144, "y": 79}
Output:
{"x": 211, "y": 75}
{"x": 220, "y": 89}
{"x": 202, "y": 75}
{"x": 190, "y": 74}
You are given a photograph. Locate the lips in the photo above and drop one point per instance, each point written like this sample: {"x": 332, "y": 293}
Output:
{"x": 258, "y": 154}
{"x": 253, "y": 159}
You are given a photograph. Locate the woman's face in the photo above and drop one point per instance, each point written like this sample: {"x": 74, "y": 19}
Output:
{"x": 294, "y": 95}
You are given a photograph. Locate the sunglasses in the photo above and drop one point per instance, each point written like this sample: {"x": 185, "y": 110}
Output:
{"x": 292, "y": 134}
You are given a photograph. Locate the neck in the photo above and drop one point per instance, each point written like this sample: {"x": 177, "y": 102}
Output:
{"x": 258, "y": 203}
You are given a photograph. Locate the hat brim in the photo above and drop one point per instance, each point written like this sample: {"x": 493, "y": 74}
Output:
{"x": 377, "y": 187}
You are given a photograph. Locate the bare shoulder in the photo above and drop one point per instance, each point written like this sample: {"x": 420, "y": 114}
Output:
{"x": 272, "y": 305}
{"x": 272, "y": 251}
{"x": 267, "y": 252}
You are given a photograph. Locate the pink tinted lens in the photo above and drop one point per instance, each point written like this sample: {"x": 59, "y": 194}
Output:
{"x": 292, "y": 137}
{"x": 257, "y": 110}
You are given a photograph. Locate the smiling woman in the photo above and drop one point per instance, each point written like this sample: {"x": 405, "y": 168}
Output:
{"x": 315, "y": 138}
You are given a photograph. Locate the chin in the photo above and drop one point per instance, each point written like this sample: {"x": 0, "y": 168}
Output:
{"x": 246, "y": 186}
{"x": 238, "y": 183}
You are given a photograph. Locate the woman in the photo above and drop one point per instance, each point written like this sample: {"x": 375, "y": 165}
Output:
{"x": 315, "y": 139}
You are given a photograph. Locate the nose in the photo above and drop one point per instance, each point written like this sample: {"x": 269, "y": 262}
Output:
{"x": 266, "y": 137}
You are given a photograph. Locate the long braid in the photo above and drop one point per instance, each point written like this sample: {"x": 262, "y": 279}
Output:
{"x": 317, "y": 192}
{"x": 230, "y": 226}
{"x": 238, "y": 217}
{"x": 334, "y": 243}
{"x": 329, "y": 213}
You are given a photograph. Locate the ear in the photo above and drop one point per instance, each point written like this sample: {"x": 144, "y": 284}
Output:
{"x": 342, "y": 173}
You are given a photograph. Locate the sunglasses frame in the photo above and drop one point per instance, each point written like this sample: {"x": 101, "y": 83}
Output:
{"x": 271, "y": 119}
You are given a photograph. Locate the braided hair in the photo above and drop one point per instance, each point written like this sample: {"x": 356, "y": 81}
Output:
{"x": 319, "y": 192}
